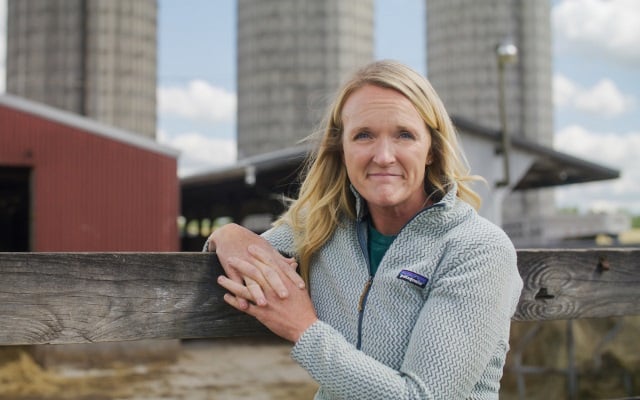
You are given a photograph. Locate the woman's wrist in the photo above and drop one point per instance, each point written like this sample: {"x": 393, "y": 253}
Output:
{"x": 215, "y": 236}
{"x": 302, "y": 331}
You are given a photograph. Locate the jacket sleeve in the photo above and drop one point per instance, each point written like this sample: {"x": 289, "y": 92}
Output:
{"x": 281, "y": 238}
{"x": 461, "y": 333}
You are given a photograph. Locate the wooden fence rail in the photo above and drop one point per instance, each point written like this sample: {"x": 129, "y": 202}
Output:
{"x": 96, "y": 297}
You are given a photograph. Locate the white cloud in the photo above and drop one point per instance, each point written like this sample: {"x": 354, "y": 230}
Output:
{"x": 603, "y": 29}
{"x": 564, "y": 90}
{"x": 618, "y": 151}
{"x": 198, "y": 100}
{"x": 199, "y": 152}
{"x": 603, "y": 99}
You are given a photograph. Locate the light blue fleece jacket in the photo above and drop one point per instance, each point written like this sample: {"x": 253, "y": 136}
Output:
{"x": 435, "y": 321}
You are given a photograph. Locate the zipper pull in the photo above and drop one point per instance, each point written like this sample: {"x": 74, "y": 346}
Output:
{"x": 363, "y": 296}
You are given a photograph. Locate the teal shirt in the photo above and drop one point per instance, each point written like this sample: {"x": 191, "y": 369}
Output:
{"x": 377, "y": 246}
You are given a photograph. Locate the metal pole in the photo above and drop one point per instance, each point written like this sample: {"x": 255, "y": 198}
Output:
{"x": 506, "y": 53}
{"x": 505, "y": 146}
{"x": 572, "y": 373}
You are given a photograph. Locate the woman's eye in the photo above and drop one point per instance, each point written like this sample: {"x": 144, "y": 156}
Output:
{"x": 362, "y": 135}
{"x": 406, "y": 135}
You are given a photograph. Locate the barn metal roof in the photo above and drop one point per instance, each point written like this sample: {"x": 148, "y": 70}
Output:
{"x": 550, "y": 168}
{"x": 85, "y": 124}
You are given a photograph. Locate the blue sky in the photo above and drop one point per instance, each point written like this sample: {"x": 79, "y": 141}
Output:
{"x": 596, "y": 84}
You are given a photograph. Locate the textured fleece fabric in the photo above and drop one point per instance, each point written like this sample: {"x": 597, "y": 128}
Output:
{"x": 446, "y": 340}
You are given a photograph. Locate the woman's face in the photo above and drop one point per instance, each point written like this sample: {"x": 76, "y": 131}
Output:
{"x": 386, "y": 149}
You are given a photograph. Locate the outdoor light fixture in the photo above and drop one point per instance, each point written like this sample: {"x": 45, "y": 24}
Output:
{"x": 250, "y": 175}
{"x": 506, "y": 53}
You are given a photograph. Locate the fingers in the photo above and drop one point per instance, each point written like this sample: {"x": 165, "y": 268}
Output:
{"x": 234, "y": 302}
{"x": 269, "y": 256}
{"x": 249, "y": 291}
{"x": 286, "y": 265}
{"x": 255, "y": 292}
{"x": 264, "y": 276}
{"x": 291, "y": 273}
{"x": 238, "y": 290}
{"x": 233, "y": 274}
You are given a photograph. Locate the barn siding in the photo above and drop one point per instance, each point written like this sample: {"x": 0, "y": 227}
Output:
{"x": 90, "y": 192}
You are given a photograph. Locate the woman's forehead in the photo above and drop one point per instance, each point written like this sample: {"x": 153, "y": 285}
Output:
{"x": 374, "y": 103}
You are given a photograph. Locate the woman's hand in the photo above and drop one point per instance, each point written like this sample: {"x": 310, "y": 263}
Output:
{"x": 287, "y": 317}
{"x": 233, "y": 241}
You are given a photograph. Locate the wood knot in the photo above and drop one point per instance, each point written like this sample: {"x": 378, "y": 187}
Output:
{"x": 603, "y": 264}
{"x": 543, "y": 293}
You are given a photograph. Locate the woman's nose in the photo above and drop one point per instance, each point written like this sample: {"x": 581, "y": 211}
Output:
{"x": 384, "y": 152}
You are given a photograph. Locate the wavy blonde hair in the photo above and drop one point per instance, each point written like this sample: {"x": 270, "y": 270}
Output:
{"x": 325, "y": 196}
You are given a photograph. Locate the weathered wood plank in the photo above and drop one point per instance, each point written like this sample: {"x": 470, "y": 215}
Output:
{"x": 94, "y": 297}
{"x": 569, "y": 284}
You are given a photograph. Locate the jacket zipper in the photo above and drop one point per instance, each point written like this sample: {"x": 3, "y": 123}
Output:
{"x": 365, "y": 292}
{"x": 361, "y": 304}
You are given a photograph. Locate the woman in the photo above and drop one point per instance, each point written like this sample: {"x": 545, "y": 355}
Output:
{"x": 410, "y": 291}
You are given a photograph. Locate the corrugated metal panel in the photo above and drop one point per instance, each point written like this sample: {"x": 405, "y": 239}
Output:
{"x": 91, "y": 193}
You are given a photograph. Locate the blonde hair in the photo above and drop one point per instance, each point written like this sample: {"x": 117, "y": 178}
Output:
{"x": 325, "y": 195}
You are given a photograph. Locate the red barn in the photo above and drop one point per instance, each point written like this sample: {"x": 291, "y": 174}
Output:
{"x": 68, "y": 183}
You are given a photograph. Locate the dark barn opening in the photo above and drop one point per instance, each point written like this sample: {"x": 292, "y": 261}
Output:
{"x": 15, "y": 207}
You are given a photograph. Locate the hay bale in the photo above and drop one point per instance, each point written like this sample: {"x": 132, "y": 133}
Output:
{"x": 606, "y": 369}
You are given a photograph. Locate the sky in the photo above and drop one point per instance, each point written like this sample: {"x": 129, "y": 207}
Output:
{"x": 596, "y": 84}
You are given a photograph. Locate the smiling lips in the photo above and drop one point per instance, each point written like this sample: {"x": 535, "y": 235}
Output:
{"x": 382, "y": 175}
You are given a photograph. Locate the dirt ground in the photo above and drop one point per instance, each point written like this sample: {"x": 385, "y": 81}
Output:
{"x": 261, "y": 369}
{"x": 225, "y": 369}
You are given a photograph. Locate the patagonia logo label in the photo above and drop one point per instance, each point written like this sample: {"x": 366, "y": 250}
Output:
{"x": 414, "y": 278}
